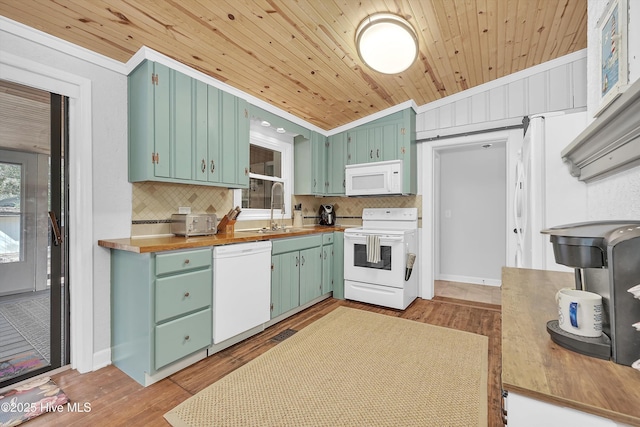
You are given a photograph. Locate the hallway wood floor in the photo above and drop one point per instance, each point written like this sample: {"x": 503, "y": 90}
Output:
{"x": 116, "y": 399}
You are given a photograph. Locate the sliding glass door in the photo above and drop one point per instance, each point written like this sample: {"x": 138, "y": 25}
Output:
{"x": 33, "y": 250}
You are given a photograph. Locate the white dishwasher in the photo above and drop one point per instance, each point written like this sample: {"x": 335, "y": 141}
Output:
{"x": 241, "y": 288}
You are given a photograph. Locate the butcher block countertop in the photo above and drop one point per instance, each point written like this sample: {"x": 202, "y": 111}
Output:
{"x": 536, "y": 367}
{"x": 168, "y": 243}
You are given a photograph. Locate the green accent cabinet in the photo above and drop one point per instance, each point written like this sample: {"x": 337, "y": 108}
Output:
{"x": 285, "y": 286}
{"x": 310, "y": 164}
{"x": 185, "y": 131}
{"x": 338, "y": 264}
{"x": 160, "y": 308}
{"x": 149, "y": 122}
{"x": 358, "y": 145}
{"x": 310, "y": 274}
{"x": 336, "y": 161}
{"x": 327, "y": 263}
{"x": 388, "y": 138}
{"x": 234, "y": 140}
{"x": 296, "y": 272}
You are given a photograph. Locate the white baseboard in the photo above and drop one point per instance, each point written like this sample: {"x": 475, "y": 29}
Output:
{"x": 468, "y": 279}
{"x": 101, "y": 359}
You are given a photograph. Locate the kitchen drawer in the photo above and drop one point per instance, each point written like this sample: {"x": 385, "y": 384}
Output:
{"x": 327, "y": 239}
{"x": 183, "y": 336}
{"x": 291, "y": 244}
{"x": 182, "y": 293}
{"x": 175, "y": 262}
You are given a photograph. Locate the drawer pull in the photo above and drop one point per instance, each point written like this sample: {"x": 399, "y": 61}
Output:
{"x": 187, "y": 338}
{"x": 186, "y": 294}
{"x": 186, "y": 261}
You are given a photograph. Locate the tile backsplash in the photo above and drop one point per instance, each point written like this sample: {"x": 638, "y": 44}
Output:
{"x": 154, "y": 202}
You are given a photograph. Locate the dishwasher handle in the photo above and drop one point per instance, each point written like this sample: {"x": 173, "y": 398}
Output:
{"x": 241, "y": 249}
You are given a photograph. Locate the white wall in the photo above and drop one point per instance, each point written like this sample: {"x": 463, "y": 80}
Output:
{"x": 618, "y": 196}
{"x": 557, "y": 85}
{"x": 472, "y": 211}
{"x": 110, "y": 192}
{"x": 565, "y": 196}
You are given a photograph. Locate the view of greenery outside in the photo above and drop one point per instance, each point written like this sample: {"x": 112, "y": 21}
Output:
{"x": 9, "y": 181}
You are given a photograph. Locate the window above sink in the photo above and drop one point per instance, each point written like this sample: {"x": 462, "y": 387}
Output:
{"x": 270, "y": 161}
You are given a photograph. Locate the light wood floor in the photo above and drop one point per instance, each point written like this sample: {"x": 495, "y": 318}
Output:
{"x": 467, "y": 291}
{"x": 116, "y": 399}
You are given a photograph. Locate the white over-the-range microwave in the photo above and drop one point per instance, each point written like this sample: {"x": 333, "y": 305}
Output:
{"x": 374, "y": 179}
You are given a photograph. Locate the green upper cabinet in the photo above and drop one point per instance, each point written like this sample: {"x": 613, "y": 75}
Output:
{"x": 183, "y": 130}
{"x": 336, "y": 161}
{"x": 310, "y": 164}
{"x": 388, "y": 138}
{"x": 234, "y": 140}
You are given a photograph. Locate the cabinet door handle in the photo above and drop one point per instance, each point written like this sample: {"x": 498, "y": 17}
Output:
{"x": 186, "y": 294}
{"x": 325, "y": 254}
{"x": 213, "y": 166}
{"x": 203, "y": 166}
{"x": 371, "y": 154}
{"x": 378, "y": 153}
{"x": 314, "y": 183}
{"x": 301, "y": 260}
{"x": 186, "y": 261}
{"x": 344, "y": 183}
{"x": 187, "y": 338}
{"x": 297, "y": 261}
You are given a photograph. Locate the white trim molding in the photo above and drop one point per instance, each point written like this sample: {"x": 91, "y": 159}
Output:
{"x": 78, "y": 90}
{"x": 60, "y": 45}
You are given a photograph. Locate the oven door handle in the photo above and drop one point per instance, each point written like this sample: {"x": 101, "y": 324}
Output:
{"x": 382, "y": 238}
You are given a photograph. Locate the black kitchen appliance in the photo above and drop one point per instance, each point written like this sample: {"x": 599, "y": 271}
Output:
{"x": 327, "y": 215}
{"x": 606, "y": 258}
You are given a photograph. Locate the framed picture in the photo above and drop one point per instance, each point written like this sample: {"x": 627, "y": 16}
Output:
{"x": 612, "y": 47}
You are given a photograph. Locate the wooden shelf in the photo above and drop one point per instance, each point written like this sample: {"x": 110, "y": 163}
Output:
{"x": 611, "y": 143}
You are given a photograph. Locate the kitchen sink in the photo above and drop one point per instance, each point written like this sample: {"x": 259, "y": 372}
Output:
{"x": 267, "y": 231}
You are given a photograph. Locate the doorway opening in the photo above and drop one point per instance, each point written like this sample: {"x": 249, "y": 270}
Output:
{"x": 34, "y": 314}
{"x": 468, "y": 223}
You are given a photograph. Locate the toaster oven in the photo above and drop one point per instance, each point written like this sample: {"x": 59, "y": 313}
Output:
{"x": 188, "y": 225}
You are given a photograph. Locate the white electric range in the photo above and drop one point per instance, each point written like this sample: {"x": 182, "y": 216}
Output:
{"x": 387, "y": 282}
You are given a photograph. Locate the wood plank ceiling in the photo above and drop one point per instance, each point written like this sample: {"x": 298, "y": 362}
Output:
{"x": 300, "y": 55}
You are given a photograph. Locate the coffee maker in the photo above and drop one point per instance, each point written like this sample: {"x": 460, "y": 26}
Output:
{"x": 606, "y": 259}
{"x": 327, "y": 215}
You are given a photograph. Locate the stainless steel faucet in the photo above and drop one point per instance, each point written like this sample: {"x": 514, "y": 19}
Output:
{"x": 272, "y": 223}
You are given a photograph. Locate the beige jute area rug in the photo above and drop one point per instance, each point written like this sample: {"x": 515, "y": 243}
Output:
{"x": 352, "y": 368}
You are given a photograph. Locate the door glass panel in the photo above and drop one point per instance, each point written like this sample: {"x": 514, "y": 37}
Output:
{"x": 34, "y": 319}
{"x": 10, "y": 213}
{"x": 360, "y": 257}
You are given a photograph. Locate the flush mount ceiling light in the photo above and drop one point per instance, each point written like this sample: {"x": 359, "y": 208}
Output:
{"x": 387, "y": 43}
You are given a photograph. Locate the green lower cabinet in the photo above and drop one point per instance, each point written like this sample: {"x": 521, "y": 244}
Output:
{"x": 285, "y": 286}
{"x": 310, "y": 274}
{"x": 296, "y": 272}
{"x": 327, "y": 262}
{"x": 160, "y": 308}
{"x": 338, "y": 264}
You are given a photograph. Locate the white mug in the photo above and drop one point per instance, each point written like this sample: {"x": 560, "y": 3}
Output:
{"x": 580, "y": 312}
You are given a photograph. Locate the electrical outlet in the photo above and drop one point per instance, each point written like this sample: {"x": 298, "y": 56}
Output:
{"x": 184, "y": 210}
